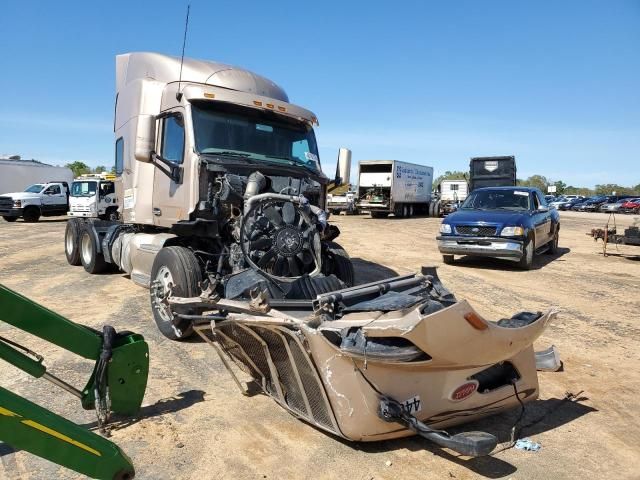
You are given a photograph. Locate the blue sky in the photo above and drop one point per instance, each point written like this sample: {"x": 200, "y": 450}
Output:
{"x": 554, "y": 83}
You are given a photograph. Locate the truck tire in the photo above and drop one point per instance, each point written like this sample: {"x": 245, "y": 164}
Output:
{"x": 92, "y": 260}
{"x": 379, "y": 215}
{"x": 553, "y": 245}
{"x": 10, "y": 219}
{"x": 448, "y": 259}
{"x": 526, "y": 262}
{"x": 176, "y": 270}
{"x": 111, "y": 214}
{"x": 72, "y": 242}
{"x": 31, "y": 214}
{"x": 335, "y": 260}
{"x": 398, "y": 210}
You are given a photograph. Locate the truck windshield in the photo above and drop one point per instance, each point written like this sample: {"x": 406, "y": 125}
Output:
{"x": 254, "y": 134}
{"x": 35, "y": 188}
{"x": 83, "y": 189}
{"x": 497, "y": 200}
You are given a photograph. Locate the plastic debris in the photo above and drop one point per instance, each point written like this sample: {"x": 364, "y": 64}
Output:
{"x": 548, "y": 360}
{"x": 388, "y": 463}
{"x": 528, "y": 445}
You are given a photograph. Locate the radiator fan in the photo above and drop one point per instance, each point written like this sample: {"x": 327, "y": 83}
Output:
{"x": 280, "y": 238}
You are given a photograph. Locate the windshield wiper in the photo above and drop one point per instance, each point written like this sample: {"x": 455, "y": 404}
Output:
{"x": 229, "y": 153}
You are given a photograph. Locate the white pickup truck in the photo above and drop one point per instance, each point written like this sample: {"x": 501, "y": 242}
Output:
{"x": 40, "y": 199}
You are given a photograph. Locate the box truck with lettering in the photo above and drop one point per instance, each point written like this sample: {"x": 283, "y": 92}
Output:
{"x": 392, "y": 186}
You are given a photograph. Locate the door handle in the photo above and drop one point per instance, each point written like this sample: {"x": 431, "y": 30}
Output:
{"x": 157, "y": 212}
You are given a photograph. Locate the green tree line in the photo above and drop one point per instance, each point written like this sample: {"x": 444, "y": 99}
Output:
{"x": 81, "y": 168}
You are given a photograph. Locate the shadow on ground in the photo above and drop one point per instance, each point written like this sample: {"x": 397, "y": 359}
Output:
{"x": 180, "y": 402}
{"x": 539, "y": 416}
{"x": 539, "y": 261}
{"x": 367, "y": 271}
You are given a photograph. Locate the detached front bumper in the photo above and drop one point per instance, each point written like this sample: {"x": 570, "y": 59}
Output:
{"x": 11, "y": 212}
{"x": 480, "y": 246}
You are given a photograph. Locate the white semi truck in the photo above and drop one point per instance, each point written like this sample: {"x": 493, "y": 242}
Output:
{"x": 391, "y": 186}
{"x": 222, "y": 192}
{"x": 94, "y": 196}
{"x": 451, "y": 195}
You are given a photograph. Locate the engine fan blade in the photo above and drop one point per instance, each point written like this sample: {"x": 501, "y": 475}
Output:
{"x": 289, "y": 213}
{"x": 293, "y": 267}
{"x": 272, "y": 214}
{"x": 305, "y": 257}
{"x": 279, "y": 267}
{"x": 266, "y": 258}
{"x": 260, "y": 244}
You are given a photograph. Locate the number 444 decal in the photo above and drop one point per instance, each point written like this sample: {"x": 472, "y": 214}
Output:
{"x": 412, "y": 405}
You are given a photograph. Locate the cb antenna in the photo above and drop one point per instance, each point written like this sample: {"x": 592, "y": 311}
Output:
{"x": 184, "y": 42}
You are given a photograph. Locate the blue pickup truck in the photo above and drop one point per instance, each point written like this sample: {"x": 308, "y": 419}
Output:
{"x": 512, "y": 223}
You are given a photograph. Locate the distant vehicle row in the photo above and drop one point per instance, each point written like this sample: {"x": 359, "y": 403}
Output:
{"x": 599, "y": 203}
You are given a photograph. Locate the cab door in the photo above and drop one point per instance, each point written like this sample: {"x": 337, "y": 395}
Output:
{"x": 170, "y": 195}
{"x": 541, "y": 219}
{"x": 54, "y": 199}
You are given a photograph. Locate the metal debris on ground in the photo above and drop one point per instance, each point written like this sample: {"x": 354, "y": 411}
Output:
{"x": 528, "y": 445}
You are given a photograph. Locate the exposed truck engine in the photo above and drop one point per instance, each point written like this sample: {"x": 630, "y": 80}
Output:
{"x": 217, "y": 173}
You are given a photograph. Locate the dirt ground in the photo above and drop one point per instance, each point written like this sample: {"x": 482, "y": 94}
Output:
{"x": 195, "y": 424}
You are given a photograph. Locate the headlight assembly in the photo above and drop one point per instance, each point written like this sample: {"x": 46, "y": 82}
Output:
{"x": 445, "y": 228}
{"x": 512, "y": 232}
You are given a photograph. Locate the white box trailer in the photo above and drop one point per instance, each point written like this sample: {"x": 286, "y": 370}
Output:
{"x": 16, "y": 174}
{"x": 391, "y": 186}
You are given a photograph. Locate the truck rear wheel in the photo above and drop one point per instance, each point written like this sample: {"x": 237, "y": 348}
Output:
{"x": 31, "y": 214}
{"x": 10, "y": 219}
{"x": 176, "y": 272}
{"x": 72, "y": 242}
{"x": 92, "y": 260}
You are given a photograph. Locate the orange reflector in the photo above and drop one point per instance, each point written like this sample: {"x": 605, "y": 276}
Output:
{"x": 282, "y": 109}
{"x": 475, "y": 321}
{"x": 269, "y": 105}
{"x": 257, "y": 103}
{"x": 209, "y": 95}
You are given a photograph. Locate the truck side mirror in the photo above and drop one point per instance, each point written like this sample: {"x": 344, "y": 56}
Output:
{"x": 145, "y": 138}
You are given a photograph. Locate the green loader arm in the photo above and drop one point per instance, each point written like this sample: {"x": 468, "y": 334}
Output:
{"x": 29, "y": 427}
{"x": 117, "y": 384}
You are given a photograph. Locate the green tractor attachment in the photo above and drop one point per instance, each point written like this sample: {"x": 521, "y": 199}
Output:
{"x": 117, "y": 385}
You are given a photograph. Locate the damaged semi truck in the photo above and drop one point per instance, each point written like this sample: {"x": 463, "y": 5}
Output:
{"x": 217, "y": 172}
{"x": 222, "y": 217}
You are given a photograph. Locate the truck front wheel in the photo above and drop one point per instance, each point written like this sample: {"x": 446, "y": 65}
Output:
{"x": 10, "y": 219}
{"x": 31, "y": 214}
{"x": 72, "y": 242}
{"x": 335, "y": 260}
{"x": 175, "y": 272}
{"x": 92, "y": 260}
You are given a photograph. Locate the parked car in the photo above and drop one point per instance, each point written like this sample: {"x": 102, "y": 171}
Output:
{"x": 612, "y": 207}
{"x": 556, "y": 202}
{"x": 590, "y": 204}
{"x": 511, "y": 223}
{"x": 569, "y": 204}
{"x": 632, "y": 205}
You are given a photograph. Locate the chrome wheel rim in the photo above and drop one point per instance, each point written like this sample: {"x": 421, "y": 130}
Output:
{"x": 85, "y": 249}
{"x": 69, "y": 242}
{"x": 162, "y": 285}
